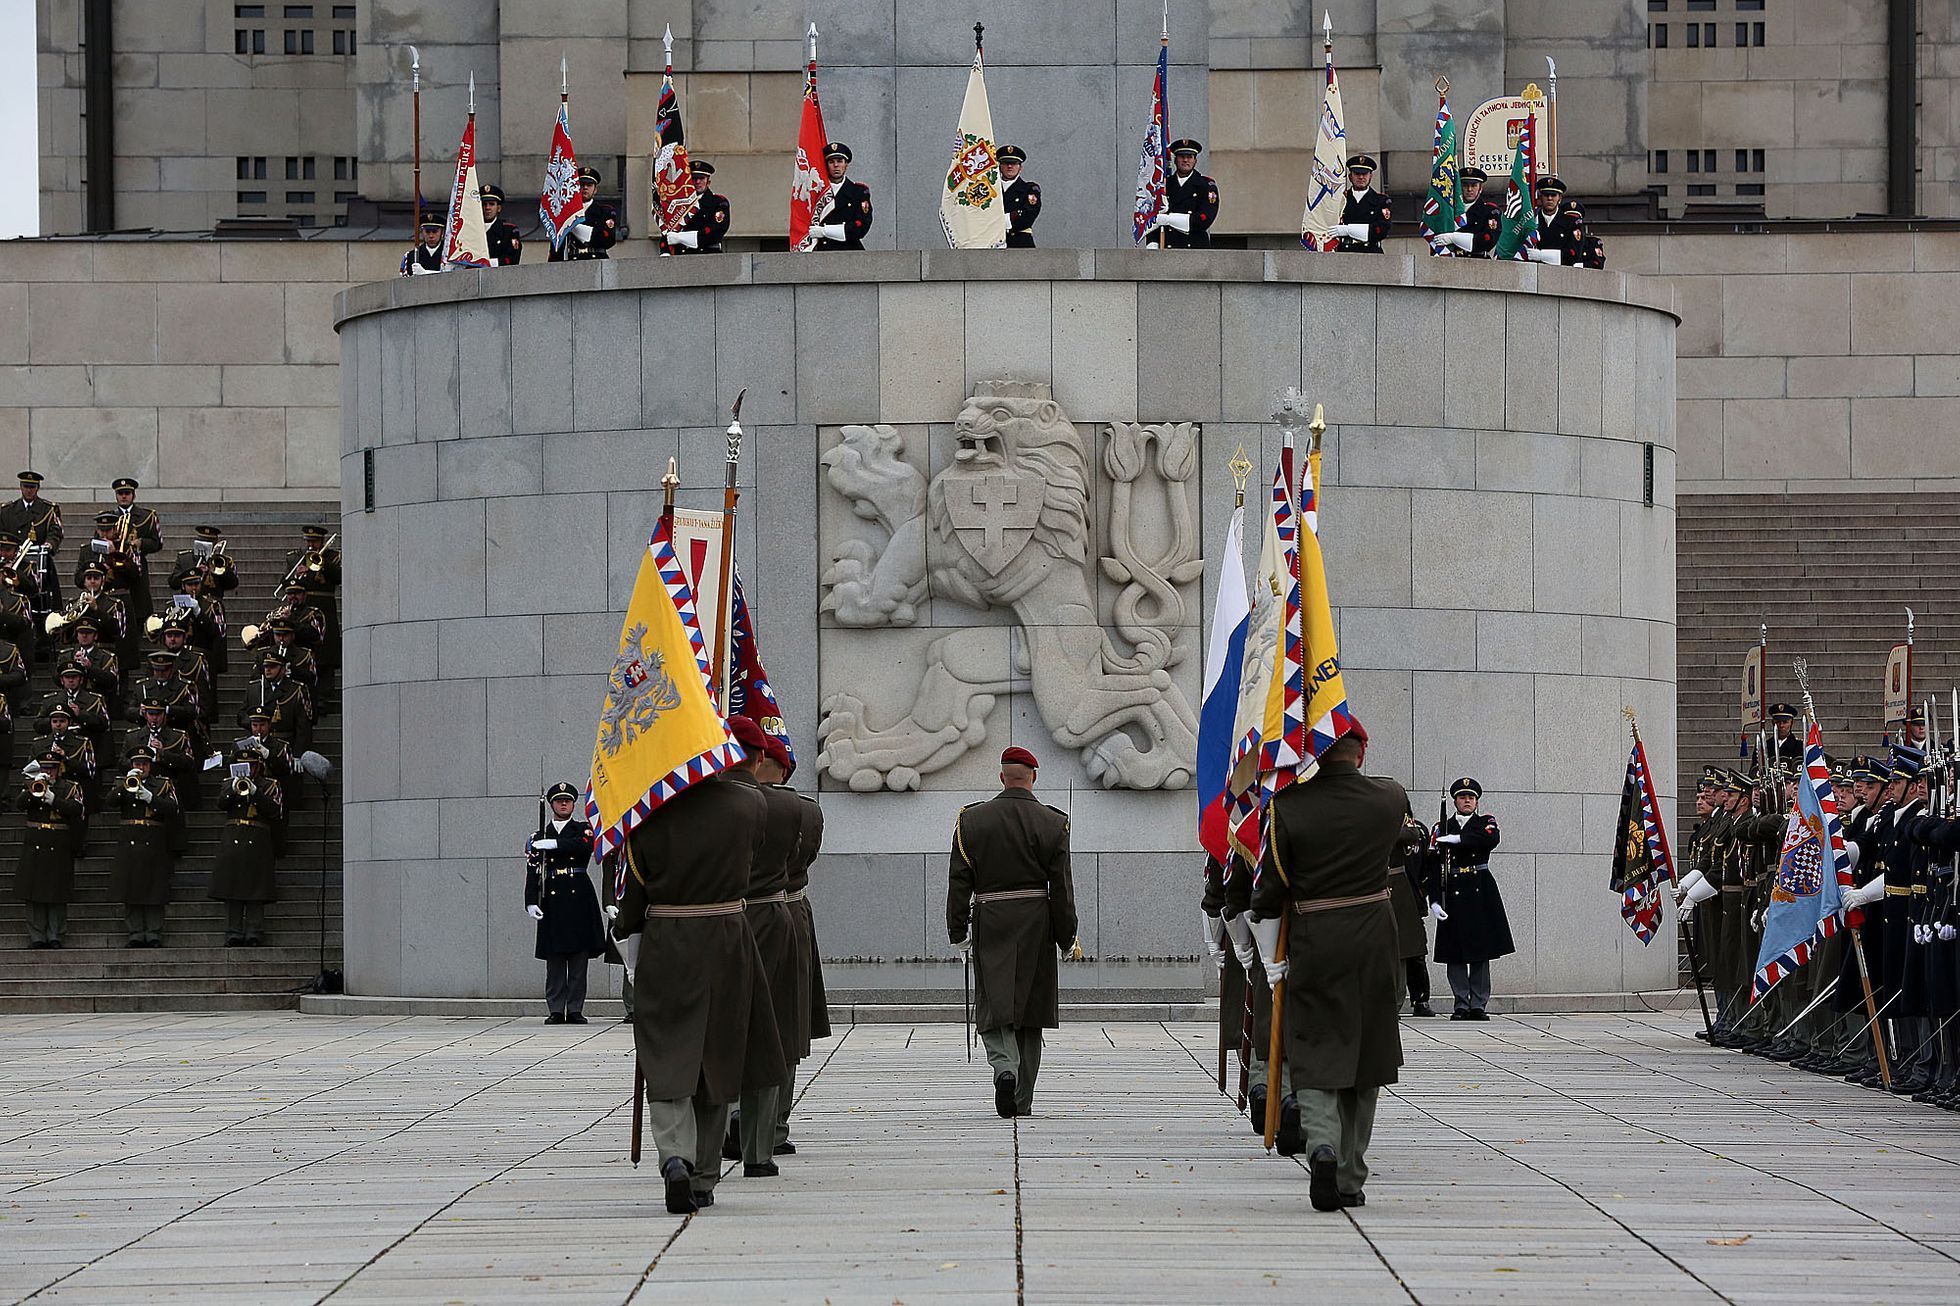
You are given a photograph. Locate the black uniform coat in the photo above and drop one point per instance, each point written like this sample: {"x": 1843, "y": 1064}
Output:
{"x": 1477, "y": 928}
{"x": 808, "y": 844}
{"x": 1485, "y": 223}
{"x": 1235, "y": 891}
{"x": 710, "y": 218}
{"x": 253, "y": 835}
{"x": 145, "y": 860}
{"x": 558, "y": 880}
{"x": 1012, "y": 841}
{"x": 1332, "y": 838}
{"x": 604, "y": 221}
{"x": 1373, "y": 209}
{"x": 1905, "y": 866}
{"x": 701, "y": 1019}
{"x": 49, "y": 843}
{"x": 1023, "y": 200}
{"x": 1197, "y": 195}
{"x": 504, "y": 244}
{"x": 776, "y": 936}
{"x": 850, "y": 206}
{"x": 1405, "y": 892}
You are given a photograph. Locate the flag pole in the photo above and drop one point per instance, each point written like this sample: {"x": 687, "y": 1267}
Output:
{"x": 1241, "y": 469}
{"x": 723, "y": 582}
{"x": 668, "y": 484}
{"x": 415, "y": 72}
{"x": 1551, "y": 115}
{"x": 1163, "y": 127}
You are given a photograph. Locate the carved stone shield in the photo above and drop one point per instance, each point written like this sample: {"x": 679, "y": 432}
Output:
{"x": 994, "y": 514}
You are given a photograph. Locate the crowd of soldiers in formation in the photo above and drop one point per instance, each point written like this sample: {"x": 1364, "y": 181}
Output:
{"x": 1191, "y": 202}
{"x": 1901, "y": 832}
{"x": 117, "y": 695}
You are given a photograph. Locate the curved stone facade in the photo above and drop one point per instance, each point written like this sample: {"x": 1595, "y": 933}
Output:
{"x": 1500, "y": 547}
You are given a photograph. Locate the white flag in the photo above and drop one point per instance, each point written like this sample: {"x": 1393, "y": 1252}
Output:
{"x": 467, "y": 242}
{"x": 1327, "y": 184}
{"x": 971, "y": 210}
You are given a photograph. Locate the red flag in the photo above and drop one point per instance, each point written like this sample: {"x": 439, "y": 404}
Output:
{"x": 674, "y": 198}
{"x": 561, "y": 206}
{"x": 810, "y": 186}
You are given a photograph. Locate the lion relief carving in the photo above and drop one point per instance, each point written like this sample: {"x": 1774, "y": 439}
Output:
{"x": 1008, "y": 525}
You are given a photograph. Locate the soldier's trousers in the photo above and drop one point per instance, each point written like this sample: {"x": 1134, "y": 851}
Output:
{"x": 145, "y": 923}
{"x": 46, "y": 921}
{"x": 1470, "y": 983}
{"x": 785, "y": 1099}
{"x": 758, "y": 1126}
{"x": 244, "y": 921}
{"x": 690, "y": 1128}
{"x": 626, "y": 994}
{"x": 1343, "y": 1119}
{"x": 1015, "y": 1051}
{"x": 1415, "y": 970}
{"x": 564, "y": 985}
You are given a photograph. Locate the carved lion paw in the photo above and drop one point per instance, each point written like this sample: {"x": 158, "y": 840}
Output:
{"x": 1114, "y": 761}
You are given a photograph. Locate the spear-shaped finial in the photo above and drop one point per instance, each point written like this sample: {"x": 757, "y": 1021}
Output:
{"x": 813, "y": 42}
{"x": 1551, "y": 70}
{"x": 667, "y": 43}
{"x": 1327, "y": 28}
{"x": 671, "y": 481}
{"x": 415, "y": 65}
{"x": 978, "y": 30}
{"x": 1442, "y": 86}
{"x": 472, "y": 92}
{"x": 1241, "y": 469}
{"x": 1318, "y": 425}
{"x": 1909, "y": 625}
{"x": 735, "y": 429}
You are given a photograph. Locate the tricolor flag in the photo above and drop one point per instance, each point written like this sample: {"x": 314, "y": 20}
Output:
{"x": 810, "y": 186}
{"x": 674, "y": 199}
{"x": 1263, "y": 644}
{"x": 1641, "y": 859}
{"x": 1806, "y": 902}
{"x": 658, "y": 728}
{"x": 561, "y": 206}
{"x": 749, "y": 693}
{"x": 1224, "y": 664}
{"x": 1327, "y": 184}
{"x": 466, "y": 244}
{"x": 1442, "y": 211}
{"x": 1520, "y": 229}
{"x": 1151, "y": 164}
{"x": 971, "y": 208}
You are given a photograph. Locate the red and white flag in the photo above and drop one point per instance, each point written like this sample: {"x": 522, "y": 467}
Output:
{"x": 810, "y": 186}
{"x": 467, "y": 242}
{"x": 561, "y": 206}
{"x": 674, "y": 196}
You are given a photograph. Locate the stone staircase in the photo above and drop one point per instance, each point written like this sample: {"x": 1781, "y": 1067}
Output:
{"x": 193, "y": 971}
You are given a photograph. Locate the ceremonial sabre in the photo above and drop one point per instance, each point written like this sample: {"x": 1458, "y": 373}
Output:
{"x": 724, "y": 583}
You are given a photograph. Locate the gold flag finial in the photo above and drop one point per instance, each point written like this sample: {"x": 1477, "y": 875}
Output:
{"x": 1442, "y": 86}
{"x": 1532, "y": 95}
{"x": 1318, "y": 425}
{"x": 1241, "y": 469}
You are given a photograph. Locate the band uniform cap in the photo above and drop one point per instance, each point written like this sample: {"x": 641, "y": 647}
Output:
{"x": 8, "y": 537}
{"x": 107, "y": 518}
{"x": 1550, "y": 186}
{"x": 271, "y": 656}
{"x": 93, "y": 569}
{"x": 1185, "y": 145}
{"x": 837, "y": 150}
{"x": 249, "y": 755}
{"x": 85, "y": 624}
{"x": 60, "y": 710}
{"x": 151, "y": 703}
{"x": 562, "y": 789}
{"x": 294, "y": 584}
{"x": 160, "y": 658}
{"x": 1466, "y": 785}
{"x": 69, "y": 669}
{"x": 315, "y": 532}
{"x": 52, "y": 756}
{"x": 1467, "y": 175}
{"x": 748, "y": 733}
{"x": 700, "y": 168}
{"x": 258, "y": 714}
{"x": 281, "y": 626}
{"x": 490, "y": 193}
{"x": 1015, "y": 755}
{"x": 143, "y": 755}
{"x": 1782, "y": 712}
{"x": 1011, "y": 154}
{"x": 124, "y": 483}
{"x": 1365, "y": 163}
{"x": 209, "y": 533}
{"x": 31, "y": 478}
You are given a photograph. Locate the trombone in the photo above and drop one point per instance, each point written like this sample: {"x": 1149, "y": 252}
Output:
{"x": 312, "y": 561}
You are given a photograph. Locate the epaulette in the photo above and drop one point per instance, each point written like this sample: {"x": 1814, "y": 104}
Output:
{"x": 1056, "y": 810}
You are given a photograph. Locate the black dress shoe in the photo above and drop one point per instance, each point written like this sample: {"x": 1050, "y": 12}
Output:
{"x": 1004, "y": 1088}
{"x": 760, "y": 1170}
{"x": 555, "y": 1018}
{"x": 575, "y": 1018}
{"x": 1478, "y": 1014}
{"x": 1459, "y": 1014}
{"x": 1321, "y": 1190}
{"x": 703, "y": 1200}
{"x": 1785, "y": 1051}
{"x": 38, "y": 944}
{"x": 135, "y": 943}
{"x": 1287, "y": 1141}
{"x": 783, "y": 1149}
{"x": 1422, "y": 1009}
{"x": 1255, "y": 1109}
{"x": 680, "y": 1187}
{"x": 731, "y": 1141}
{"x": 1911, "y": 1084}
{"x": 1702, "y": 1034}
{"x": 1354, "y": 1199}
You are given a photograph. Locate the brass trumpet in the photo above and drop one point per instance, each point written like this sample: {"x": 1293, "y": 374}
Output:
{"x": 40, "y": 789}
{"x": 133, "y": 781}
{"x": 242, "y": 788}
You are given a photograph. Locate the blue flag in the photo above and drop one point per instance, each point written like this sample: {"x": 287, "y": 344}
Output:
{"x": 1806, "y": 904}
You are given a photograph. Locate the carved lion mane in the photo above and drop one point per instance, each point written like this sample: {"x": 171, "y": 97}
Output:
{"x": 1018, "y": 426}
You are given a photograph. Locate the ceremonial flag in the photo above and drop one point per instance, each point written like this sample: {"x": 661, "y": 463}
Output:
{"x": 1520, "y": 229}
{"x": 1641, "y": 859}
{"x": 1806, "y": 902}
{"x": 1151, "y": 164}
{"x": 749, "y": 693}
{"x": 1263, "y": 638}
{"x": 658, "y": 728}
{"x": 1306, "y": 705}
{"x": 674, "y": 198}
{"x": 1224, "y": 665}
{"x": 1442, "y": 211}
{"x": 1327, "y": 183}
{"x": 972, "y": 210}
{"x": 810, "y": 187}
{"x": 467, "y": 241}
{"x": 561, "y": 206}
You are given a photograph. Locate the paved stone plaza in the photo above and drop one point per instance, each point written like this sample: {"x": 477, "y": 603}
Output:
{"x": 283, "y": 1158}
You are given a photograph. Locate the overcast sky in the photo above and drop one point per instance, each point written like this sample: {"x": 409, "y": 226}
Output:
{"x": 19, "y": 152}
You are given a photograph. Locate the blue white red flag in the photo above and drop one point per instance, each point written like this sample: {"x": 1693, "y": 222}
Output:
{"x": 1806, "y": 903}
{"x": 1641, "y": 858}
{"x": 1224, "y": 662}
{"x": 1150, "y": 167}
{"x": 674, "y": 197}
{"x": 749, "y": 693}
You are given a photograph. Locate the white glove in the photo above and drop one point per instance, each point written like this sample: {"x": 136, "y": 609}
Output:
{"x": 1456, "y": 239}
{"x": 1175, "y": 221}
{"x": 1851, "y": 853}
{"x": 629, "y": 950}
{"x": 835, "y": 231}
{"x": 1549, "y": 256}
{"x": 685, "y": 239}
{"x": 1212, "y": 925}
{"x": 543, "y": 845}
{"x": 582, "y": 230}
{"x": 496, "y": 263}
{"x": 1756, "y": 920}
{"x": 1863, "y": 895}
{"x": 1266, "y": 935}
{"x": 417, "y": 270}
{"x": 1352, "y": 231}
{"x": 1947, "y": 933}
{"x": 1921, "y": 934}
{"x": 965, "y": 945}
{"x": 1700, "y": 891}
{"x": 612, "y": 912}
{"x": 1448, "y": 839}
{"x": 1436, "y": 912}
{"x": 537, "y": 912}
{"x": 1239, "y": 929}
{"x": 144, "y": 794}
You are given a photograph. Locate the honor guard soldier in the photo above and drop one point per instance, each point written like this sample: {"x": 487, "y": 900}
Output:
{"x": 1251, "y": 989}
{"x": 101, "y": 667}
{"x": 1872, "y": 873}
{"x": 1554, "y": 224}
{"x": 255, "y": 835}
{"x": 1785, "y": 746}
{"x": 1405, "y": 897}
{"x": 849, "y": 219}
{"x": 1329, "y": 848}
{"x": 558, "y": 895}
{"x": 1010, "y": 903}
{"x": 1190, "y": 201}
{"x": 36, "y": 524}
{"x": 702, "y": 1028}
{"x": 209, "y": 557}
{"x": 1471, "y": 928}
{"x": 1482, "y": 220}
{"x": 426, "y": 256}
{"x": 1021, "y": 196}
{"x": 142, "y": 528}
{"x": 1365, "y": 212}
{"x": 777, "y": 768}
{"x": 45, "y": 875}
{"x": 1584, "y": 249}
{"x": 597, "y": 228}
{"x": 145, "y": 856}
{"x": 708, "y": 223}
{"x": 505, "y": 245}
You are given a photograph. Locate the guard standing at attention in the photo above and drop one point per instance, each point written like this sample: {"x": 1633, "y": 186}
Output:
{"x": 850, "y": 203}
{"x": 1405, "y": 896}
{"x": 1483, "y": 221}
{"x": 1190, "y": 201}
{"x": 597, "y": 228}
{"x": 776, "y": 940}
{"x": 1365, "y": 213}
{"x": 1021, "y": 196}
{"x": 1471, "y": 928}
{"x": 1010, "y": 902}
{"x": 706, "y": 226}
{"x": 426, "y": 256}
{"x": 777, "y": 769}
{"x": 501, "y": 238}
{"x": 559, "y": 896}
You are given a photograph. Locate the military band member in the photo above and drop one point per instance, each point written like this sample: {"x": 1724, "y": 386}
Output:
{"x": 1021, "y": 196}
{"x": 317, "y": 563}
{"x": 280, "y": 763}
{"x": 144, "y": 531}
{"x": 87, "y": 710}
{"x": 426, "y": 255}
{"x": 777, "y": 768}
{"x": 283, "y": 700}
{"x": 210, "y": 558}
{"x": 501, "y": 238}
{"x": 702, "y": 1029}
{"x": 179, "y": 698}
{"x": 65, "y": 737}
{"x": 100, "y": 664}
{"x": 558, "y": 895}
{"x": 597, "y": 228}
{"x": 1482, "y": 220}
{"x": 705, "y": 227}
{"x": 1364, "y": 212}
{"x": 106, "y": 610}
{"x": 282, "y": 638}
{"x": 850, "y": 203}
{"x": 1472, "y": 929}
{"x": 1405, "y": 879}
{"x": 192, "y": 666}
{"x": 14, "y": 684}
{"x": 45, "y": 874}
{"x": 1010, "y": 903}
{"x": 35, "y": 523}
{"x": 145, "y": 853}
{"x": 1327, "y": 858}
{"x": 18, "y": 622}
{"x": 175, "y": 750}
{"x": 255, "y": 835}
{"x": 1190, "y": 201}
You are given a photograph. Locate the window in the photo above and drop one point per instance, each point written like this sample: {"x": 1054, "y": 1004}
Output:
{"x": 248, "y": 40}
{"x": 1657, "y": 36}
{"x": 251, "y": 197}
{"x": 303, "y": 220}
{"x": 1755, "y": 160}
{"x": 345, "y": 196}
{"x": 1707, "y": 37}
{"x": 299, "y": 197}
{"x": 248, "y": 11}
{"x": 1658, "y": 161}
{"x": 251, "y": 168}
{"x": 345, "y": 13}
{"x": 1694, "y": 160}
{"x": 343, "y": 42}
{"x": 1749, "y": 5}
{"x": 1656, "y": 6}
{"x": 1694, "y": 36}
{"x": 1748, "y": 34}
{"x": 306, "y": 11}
{"x": 1750, "y": 188}
{"x": 1700, "y": 192}
{"x": 346, "y": 168}
{"x": 299, "y": 42}
{"x": 1694, "y": 6}
{"x": 299, "y": 169}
